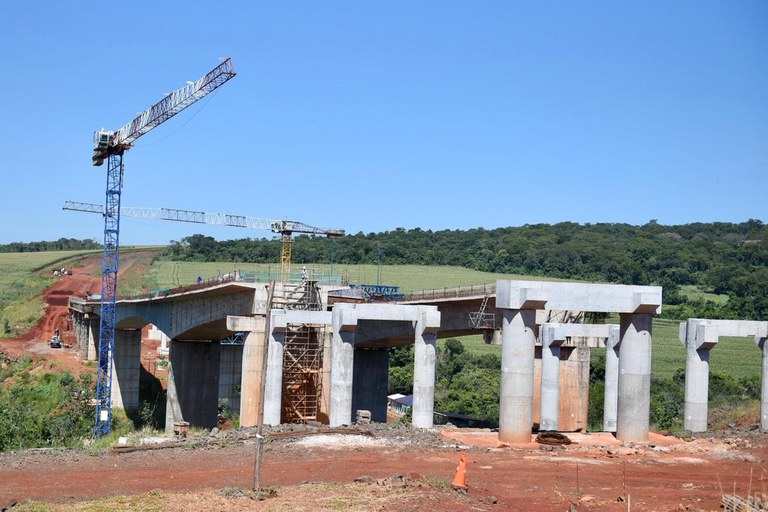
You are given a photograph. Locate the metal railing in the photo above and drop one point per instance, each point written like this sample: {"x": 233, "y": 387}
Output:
{"x": 474, "y": 290}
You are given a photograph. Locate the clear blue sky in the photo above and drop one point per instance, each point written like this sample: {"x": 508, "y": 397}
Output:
{"x": 369, "y": 116}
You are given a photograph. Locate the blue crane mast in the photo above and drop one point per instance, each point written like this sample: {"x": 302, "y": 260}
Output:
{"x": 110, "y": 146}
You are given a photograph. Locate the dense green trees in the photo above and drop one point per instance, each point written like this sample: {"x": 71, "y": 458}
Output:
{"x": 62, "y": 244}
{"x": 726, "y": 258}
{"x": 466, "y": 383}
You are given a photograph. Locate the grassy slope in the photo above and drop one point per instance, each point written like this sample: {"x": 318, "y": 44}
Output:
{"x": 22, "y": 277}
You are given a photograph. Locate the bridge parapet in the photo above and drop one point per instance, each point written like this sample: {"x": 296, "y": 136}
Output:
{"x": 475, "y": 290}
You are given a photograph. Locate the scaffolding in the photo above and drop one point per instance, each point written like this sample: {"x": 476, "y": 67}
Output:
{"x": 481, "y": 319}
{"x": 302, "y": 373}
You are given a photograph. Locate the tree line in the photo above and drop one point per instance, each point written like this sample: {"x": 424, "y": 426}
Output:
{"x": 721, "y": 257}
{"x": 62, "y": 244}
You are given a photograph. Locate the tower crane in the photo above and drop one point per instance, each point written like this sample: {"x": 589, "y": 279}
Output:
{"x": 285, "y": 228}
{"x": 110, "y": 146}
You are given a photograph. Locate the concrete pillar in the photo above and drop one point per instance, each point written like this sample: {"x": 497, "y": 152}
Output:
{"x": 517, "y": 352}
{"x": 492, "y": 337}
{"x": 325, "y": 391}
{"x": 611, "y": 397}
{"x": 250, "y": 383}
{"x": 761, "y": 343}
{"x": 424, "y": 358}
{"x": 230, "y": 376}
{"x": 633, "y": 415}
{"x": 193, "y": 384}
{"x": 126, "y": 371}
{"x": 369, "y": 389}
{"x": 342, "y": 365}
{"x": 550, "y": 378}
{"x": 574, "y": 386}
{"x": 273, "y": 386}
{"x": 698, "y": 344}
{"x": 93, "y": 325}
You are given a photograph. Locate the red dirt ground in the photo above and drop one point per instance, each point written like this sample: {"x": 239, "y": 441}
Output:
{"x": 597, "y": 472}
{"x": 84, "y": 279}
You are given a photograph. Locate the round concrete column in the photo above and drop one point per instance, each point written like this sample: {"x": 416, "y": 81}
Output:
{"x": 696, "y": 387}
{"x": 273, "y": 385}
{"x": 611, "y": 397}
{"x": 634, "y": 400}
{"x": 423, "y": 379}
{"x": 250, "y": 378}
{"x": 342, "y": 367}
{"x": 517, "y": 354}
{"x": 550, "y": 379}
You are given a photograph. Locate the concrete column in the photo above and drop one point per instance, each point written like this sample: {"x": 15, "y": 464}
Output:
{"x": 633, "y": 415}
{"x": 424, "y": 352}
{"x": 761, "y": 343}
{"x": 273, "y": 388}
{"x": 517, "y": 351}
{"x": 342, "y": 366}
{"x": 369, "y": 389}
{"x": 92, "y": 348}
{"x": 193, "y": 384}
{"x": 126, "y": 370}
{"x": 611, "y": 397}
{"x": 250, "y": 384}
{"x": 550, "y": 377}
{"x": 230, "y": 376}
{"x": 325, "y": 391}
{"x": 574, "y": 386}
{"x": 697, "y": 375}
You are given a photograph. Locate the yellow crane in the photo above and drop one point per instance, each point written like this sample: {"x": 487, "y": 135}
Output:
{"x": 286, "y": 228}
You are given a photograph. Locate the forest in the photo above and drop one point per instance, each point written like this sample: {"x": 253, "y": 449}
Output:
{"x": 62, "y": 244}
{"x": 728, "y": 259}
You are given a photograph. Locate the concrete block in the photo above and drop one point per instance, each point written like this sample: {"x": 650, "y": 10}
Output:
{"x": 245, "y": 323}
{"x": 707, "y": 336}
{"x": 347, "y": 319}
{"x": 609, "y": 298}
{"x": 278, "y": 321}
{"x": 431, "y": 319}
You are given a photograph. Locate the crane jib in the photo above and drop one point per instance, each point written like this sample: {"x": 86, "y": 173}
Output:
{"x": 107, "y": 142}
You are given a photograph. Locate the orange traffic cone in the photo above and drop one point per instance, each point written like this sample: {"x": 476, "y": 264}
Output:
{"x": 460, "y": 480}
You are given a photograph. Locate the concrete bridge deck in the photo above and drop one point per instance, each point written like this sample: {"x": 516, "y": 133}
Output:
{"x": 355, "y": 339}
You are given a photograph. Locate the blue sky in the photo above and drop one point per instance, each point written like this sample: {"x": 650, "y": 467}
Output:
{"x": 372, "y": 116}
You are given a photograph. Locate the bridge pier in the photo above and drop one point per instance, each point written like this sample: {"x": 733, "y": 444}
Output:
{"x": 344, "y": 323}
{"x": 230, "y": 376}
{"x": 634, "y": 402}
{"x": 193, "y": 383}
{"x": 700, "y": 336}
{"x": 126, "y": 369}
{"x": 370, "y": 381}
{"x": 517, "y": 354}
{"x": 611, "y": 396}
{"x": 86, "y": 326}
{"x": 519, "y": 301}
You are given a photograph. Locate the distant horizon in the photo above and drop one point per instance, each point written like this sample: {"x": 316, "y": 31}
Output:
{"x": 276, "y": 237}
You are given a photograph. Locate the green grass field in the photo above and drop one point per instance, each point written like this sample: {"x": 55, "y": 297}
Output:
{"x": 22, "y": 277}
{"x": 407, "y": 277}
{"x": 736, "y": 356}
